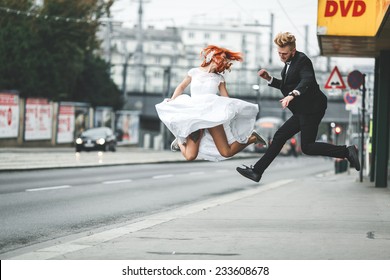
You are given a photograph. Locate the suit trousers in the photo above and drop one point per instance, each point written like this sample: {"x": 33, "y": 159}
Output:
{"x": 307, "y": 124}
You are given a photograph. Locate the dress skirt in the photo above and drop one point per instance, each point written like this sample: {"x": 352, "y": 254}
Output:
{"x": 186, "y": 114}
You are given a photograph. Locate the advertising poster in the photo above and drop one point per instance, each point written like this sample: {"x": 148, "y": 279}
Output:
{"x": 81, "y": 118}
{"x": 103, "y": 117}
{"x": 66, "y": 124}
{"x": 9, "y": 115}
{"x": 127, "y": 127}
{"x": 38, "y": 119}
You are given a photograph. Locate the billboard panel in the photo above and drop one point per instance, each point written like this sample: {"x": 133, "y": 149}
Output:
{"x": 127, "y": 126}
{"x": 38, "y": 119}
{"x": 9, "y": 115}
{"x": 66, "y": 124}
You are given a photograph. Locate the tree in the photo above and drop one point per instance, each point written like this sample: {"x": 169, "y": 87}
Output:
{"x": 95, "y": 86}
{"x": 47, "y": 51}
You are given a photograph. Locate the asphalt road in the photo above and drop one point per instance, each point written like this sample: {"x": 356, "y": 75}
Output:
{"x": 38, "y": 206}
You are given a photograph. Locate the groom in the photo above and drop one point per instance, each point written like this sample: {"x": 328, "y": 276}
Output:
{"x": 303, "y": 97}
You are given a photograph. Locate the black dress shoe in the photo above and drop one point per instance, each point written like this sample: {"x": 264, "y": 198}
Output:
{"x": 353, "y": 157}
{"x": 249, "y": 173}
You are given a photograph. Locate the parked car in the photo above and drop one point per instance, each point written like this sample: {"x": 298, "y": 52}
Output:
{"x": 100, "y": 138}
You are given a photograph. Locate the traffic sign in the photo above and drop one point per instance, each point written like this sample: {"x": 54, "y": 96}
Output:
{"x": 350, "y": 98}
{"x": 355, "y": 79}
{"x": 335, "y": 80}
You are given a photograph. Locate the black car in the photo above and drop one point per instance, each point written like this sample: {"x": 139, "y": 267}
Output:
{"x": 100, "y": 138}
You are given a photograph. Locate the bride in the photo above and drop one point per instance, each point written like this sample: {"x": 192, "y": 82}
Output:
{"x": 208, "y": 124}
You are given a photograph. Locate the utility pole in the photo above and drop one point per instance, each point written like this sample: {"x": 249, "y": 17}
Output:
{"x": 307, "y": 39}
{"x": 271, "y": 35}
{"x": 242, "y": 79}
{"x": 139, "y": 50}
{"x": 138, "y": 54}
{"x": 107, "y": 23}
{"x": 328, "y": 64}
{"x": 165, "y": 94}
{"x": 271, "y": 38}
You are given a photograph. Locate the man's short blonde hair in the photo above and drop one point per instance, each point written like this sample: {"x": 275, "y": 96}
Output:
{"x": 284, "y": 39}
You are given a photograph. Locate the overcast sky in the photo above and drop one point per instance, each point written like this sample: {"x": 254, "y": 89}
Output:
{"x": 289, "y": 15}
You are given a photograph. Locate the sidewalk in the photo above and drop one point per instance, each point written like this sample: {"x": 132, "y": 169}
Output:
{"x": 322, "y": 217}
{"x": 12, "y": 159}
{"x": 316, "y": 218}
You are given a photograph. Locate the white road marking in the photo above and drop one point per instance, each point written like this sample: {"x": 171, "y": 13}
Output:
{"x": 117, "y": 181}
{"x": 48, "y": 188}
{"x": 95, "y": 239}
{"x": 162, "y": 176}
{"x": 196, "y": 173}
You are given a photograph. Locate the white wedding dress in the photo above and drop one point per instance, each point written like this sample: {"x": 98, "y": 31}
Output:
{"x": 204, "y": 109}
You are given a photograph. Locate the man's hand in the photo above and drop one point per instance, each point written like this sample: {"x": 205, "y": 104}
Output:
{"x": 285, "y": 101}
{"x": 264, "y": 74}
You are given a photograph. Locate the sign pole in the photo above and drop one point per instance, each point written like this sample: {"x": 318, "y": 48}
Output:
{"x": 363, "y": 126}
{"x": 356, "y": 80}
{"x": 349, "y": 128}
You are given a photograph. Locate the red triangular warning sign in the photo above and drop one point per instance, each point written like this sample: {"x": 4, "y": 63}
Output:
{"x": 335, "y": 80}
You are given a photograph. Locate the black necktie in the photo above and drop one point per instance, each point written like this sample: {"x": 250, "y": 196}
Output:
{"x": 284, "y": 71}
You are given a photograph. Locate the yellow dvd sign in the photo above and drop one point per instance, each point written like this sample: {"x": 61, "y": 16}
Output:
{"x": 350, "y": 17}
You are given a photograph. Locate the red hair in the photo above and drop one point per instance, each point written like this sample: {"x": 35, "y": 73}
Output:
{"x": 220, "y": 56}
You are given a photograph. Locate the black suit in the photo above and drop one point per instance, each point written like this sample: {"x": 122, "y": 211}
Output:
{"x": 301, "y": 77}
{"x": 308, "y": 110}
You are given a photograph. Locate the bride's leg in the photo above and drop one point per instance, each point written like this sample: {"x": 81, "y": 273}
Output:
{"x": 191, "y": 148}
{"x": 220, "y": 140}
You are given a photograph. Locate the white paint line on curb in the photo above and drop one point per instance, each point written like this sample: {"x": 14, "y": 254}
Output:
{"x": 143, "y": 223}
